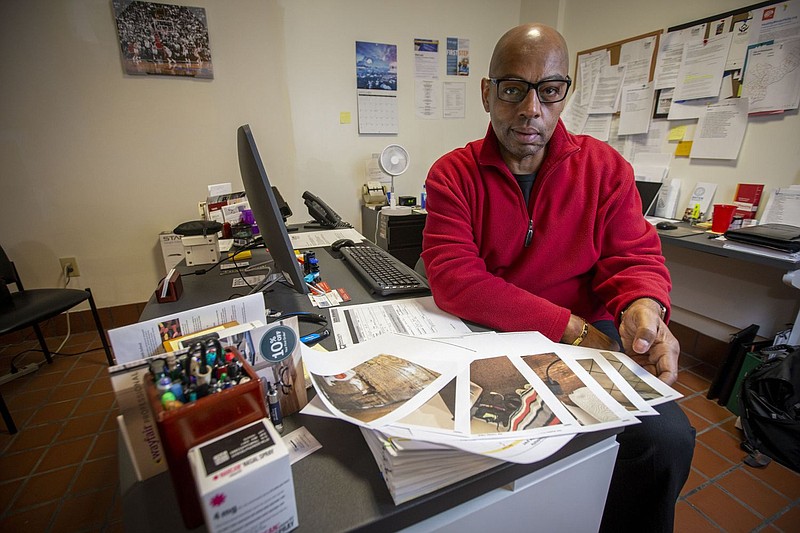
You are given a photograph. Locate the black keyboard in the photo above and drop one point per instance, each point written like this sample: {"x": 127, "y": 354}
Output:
{"x": 382, "y": 272}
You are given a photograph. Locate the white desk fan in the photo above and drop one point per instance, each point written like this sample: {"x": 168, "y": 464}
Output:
{"x": 394, "y": 161}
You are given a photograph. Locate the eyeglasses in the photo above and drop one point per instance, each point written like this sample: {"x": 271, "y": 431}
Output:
{"x": 515, "y": 91}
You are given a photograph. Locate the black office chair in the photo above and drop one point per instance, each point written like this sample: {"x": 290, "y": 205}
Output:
{"x": 27, "y": 308}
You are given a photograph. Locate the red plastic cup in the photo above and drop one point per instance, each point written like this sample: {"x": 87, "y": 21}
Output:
{"x": 722, "y": 218}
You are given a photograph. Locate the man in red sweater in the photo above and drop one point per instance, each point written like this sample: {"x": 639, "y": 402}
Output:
{"x": 532, "y": 228}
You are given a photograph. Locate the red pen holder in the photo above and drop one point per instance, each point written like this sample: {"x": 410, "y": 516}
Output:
{"x": 196, "y": 422}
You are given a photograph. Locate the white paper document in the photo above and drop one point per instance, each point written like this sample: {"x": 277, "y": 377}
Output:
{"x": 636, "y": 109}
{"x": 772, "y": 76}
{"x": 426, "y": 99}
{"x": 598, "y": 126}
{"x": 783, "y": 206}
{"x": 575, "y": 114}
{"x": 413, "y": 316}
{"x": 670, "y": 54}
{"x": 607, "y": 89}
{"x": 318, "y": 239}
{"x": 589, "y": 66}
{"x": 637, "y": 57}
{"x": 702, "y": 68}
{"x": 143, "y": 339}
{"x": 720, "y": 130}
{"x": 482, "y": 387}
{"x": 455, "y": 99}
{"x": 426, "y": 58}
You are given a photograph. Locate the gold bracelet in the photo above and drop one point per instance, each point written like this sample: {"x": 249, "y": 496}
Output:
{"x": 583, "y": 334}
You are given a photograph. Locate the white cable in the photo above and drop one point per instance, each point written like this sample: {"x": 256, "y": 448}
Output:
{"x": 69, "y": 328}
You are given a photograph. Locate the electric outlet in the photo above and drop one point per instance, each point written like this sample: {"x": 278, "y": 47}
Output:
{"x": 73, "y": 266}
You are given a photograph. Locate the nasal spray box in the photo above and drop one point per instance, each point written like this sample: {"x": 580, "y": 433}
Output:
{"x": 244, "y": 481}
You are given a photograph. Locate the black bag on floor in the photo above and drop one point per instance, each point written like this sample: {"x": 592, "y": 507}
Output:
{"x": 769, "y": 403}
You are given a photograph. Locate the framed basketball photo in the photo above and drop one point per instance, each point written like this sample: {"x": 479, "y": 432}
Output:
{"x": 163, "y": 39}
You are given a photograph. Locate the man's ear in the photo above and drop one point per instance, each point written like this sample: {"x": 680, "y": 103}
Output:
{"x": 486, "y": 87}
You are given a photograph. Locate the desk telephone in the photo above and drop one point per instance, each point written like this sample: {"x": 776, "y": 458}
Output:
{"x": 322, "y": 212}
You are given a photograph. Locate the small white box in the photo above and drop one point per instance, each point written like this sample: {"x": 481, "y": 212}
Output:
{"x": 201, "y": 249}
{"x": 171, "y": 249}
{"x": 244, "y": 481}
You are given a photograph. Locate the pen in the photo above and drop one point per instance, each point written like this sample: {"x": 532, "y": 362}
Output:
{"x": 274, "y": 407}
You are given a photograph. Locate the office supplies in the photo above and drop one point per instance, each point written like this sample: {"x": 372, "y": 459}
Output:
{"x": 382, "y": 273}
{"x": 648, "y": 192}
{"x": 192, "y": 424}
{"x": 266, "y": 210}
{"x": 274, "y": 407}
{"x": 244, "y": 477}
{"x": 374, "y": 194}
{"x": 201, "y": 249}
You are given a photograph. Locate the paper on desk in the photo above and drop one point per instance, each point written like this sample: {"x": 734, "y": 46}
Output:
{"x": 143, "y": 339}
{"x": 413, "y": 316}
{"x": 300, "y": 443}
{"x": 478, "y": 387}
{"x": 783, "y": 206}
{"x": 318, "y": 239}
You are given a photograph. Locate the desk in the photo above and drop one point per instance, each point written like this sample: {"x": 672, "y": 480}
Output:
{"x": 339, "y": 487}
{"x": 731, "y": 286}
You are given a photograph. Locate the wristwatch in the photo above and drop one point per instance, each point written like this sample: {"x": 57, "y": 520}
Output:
{"x": 662, "y": 307}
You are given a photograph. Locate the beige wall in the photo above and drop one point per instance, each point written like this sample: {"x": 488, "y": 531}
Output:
{"x": 95, "y": 163}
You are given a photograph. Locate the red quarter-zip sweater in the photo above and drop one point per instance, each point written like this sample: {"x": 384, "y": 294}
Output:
{"x": 591, "y": 253}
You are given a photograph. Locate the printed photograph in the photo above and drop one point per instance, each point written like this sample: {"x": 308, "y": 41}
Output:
{"x": 163, "y": 39}
{"x": 644, "y": 389}
{"x": 376, "y": 66}
{"x": 565, "y": 384}
{"x": 507, "y": 402}
{"x": 438, "y": 412}
{"x": 376, "y": 387}
{"x": 170, "y": 329}
{"x": 596, "y": 371}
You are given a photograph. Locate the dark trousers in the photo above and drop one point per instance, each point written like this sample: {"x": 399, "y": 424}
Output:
{"x": 652, "y": 466}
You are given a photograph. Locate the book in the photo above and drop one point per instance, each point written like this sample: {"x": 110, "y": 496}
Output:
{"x": 699, "y": 205}
{"x": 747, "y": 199}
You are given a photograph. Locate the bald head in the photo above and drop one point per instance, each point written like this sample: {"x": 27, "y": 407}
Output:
{"x": 528, "y": 41}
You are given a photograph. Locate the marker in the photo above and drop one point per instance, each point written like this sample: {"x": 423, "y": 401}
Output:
{"x": 274, "y": 407}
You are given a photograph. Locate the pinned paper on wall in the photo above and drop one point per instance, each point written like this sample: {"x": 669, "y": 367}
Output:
{"x": 683, "y": 149}
{"x": 677, "y": 133}
{"x": 376, "y": 81}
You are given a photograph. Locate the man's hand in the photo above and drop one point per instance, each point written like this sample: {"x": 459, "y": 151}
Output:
{"x": 594, "y": 338}
{"x": 648, "y": 340}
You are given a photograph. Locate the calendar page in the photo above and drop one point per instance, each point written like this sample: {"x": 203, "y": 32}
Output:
{"x": 377, "y": 113}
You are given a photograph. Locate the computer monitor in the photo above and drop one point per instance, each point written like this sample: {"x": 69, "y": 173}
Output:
{"x": 266, "y": 210}
{"x": 648, "y": 192}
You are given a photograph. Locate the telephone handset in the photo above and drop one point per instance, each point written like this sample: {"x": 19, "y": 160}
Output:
{"x": 322, "y": 212}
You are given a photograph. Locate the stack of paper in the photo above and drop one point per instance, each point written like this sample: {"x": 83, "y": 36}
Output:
{"x": 413, "y": 468}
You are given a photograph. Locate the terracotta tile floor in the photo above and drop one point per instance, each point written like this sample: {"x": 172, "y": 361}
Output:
{"x": 59, "y": 472}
